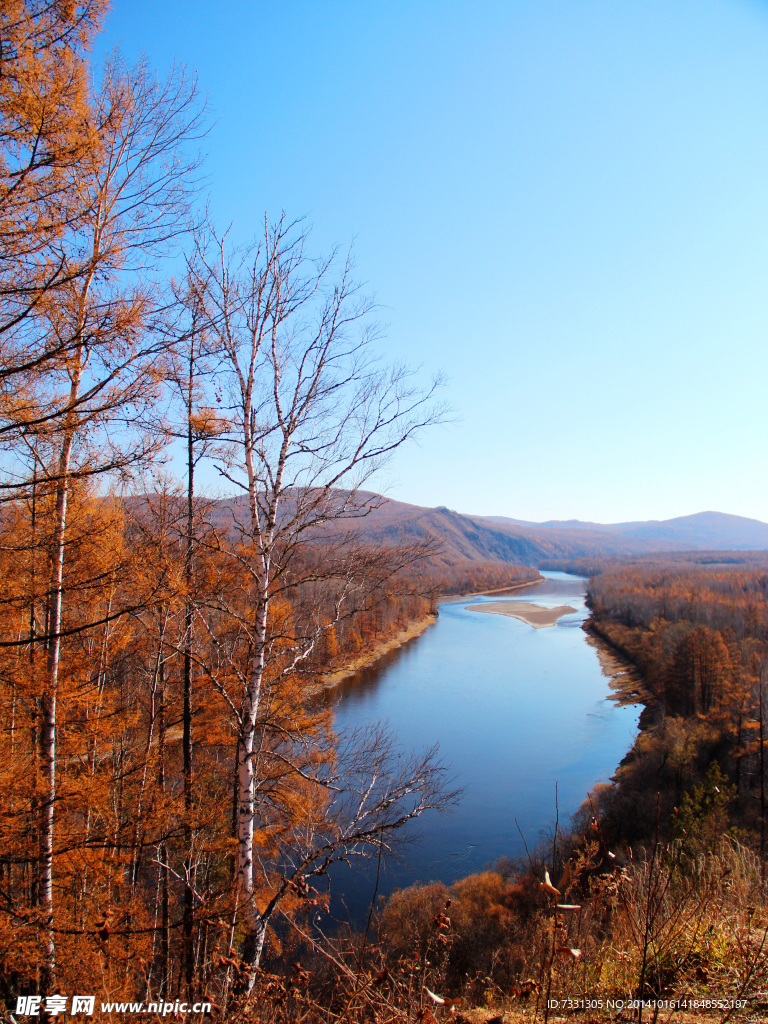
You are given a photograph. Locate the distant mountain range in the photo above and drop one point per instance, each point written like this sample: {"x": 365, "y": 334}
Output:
{"x": 490, "y": 538}
{"x": 472, "y": 538}
{"x": 698, "y": 531}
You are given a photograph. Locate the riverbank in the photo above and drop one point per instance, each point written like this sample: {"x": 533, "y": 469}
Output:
{"x": 452, "y": 598}
{"x": 626, "y": 680}
{"x": 332, "y": 679}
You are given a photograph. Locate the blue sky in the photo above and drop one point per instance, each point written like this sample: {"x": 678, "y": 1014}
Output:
{"x": 562, "y": 204}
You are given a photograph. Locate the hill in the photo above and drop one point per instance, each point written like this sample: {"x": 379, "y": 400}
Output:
{"x": 488, "y": 538}
{"x": 712, "y": 530}
{"x": 474, "y": 538}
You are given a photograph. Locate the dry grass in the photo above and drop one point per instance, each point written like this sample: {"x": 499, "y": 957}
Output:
{"x": 676, "y": 924}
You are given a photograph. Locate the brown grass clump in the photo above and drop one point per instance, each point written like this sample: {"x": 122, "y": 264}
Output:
{"x": 676, "y": 922}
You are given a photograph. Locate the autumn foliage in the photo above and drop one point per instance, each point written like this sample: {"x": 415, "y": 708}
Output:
{"x": 697, "y": 633}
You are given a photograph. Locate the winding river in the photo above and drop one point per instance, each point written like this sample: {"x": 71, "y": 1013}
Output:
{"x": 517, "y": 711}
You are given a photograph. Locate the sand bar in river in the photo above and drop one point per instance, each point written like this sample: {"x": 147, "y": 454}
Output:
{"x": 535, "y": 615}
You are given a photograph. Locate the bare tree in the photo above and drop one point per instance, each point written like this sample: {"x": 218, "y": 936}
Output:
{"x": 190, "y": 375}
{"x": 313, "y": 414}
{"x": 374, "y": 791}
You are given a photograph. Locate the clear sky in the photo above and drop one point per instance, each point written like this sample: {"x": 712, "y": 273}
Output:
{"x": 562, "y": 204}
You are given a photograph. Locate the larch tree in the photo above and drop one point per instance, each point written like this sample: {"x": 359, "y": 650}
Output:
{"x": 44, "y": 133}
{"x": 313, "y": 414}
{"x": 75, "y": 413}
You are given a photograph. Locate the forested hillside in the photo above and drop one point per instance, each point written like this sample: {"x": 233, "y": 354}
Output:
{"x": 593, "y": 565}
{"x": 699, "y": 636}
{"x": 557, "y": 545}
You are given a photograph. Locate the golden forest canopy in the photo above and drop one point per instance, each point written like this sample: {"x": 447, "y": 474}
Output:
{"x": 44, "y": 135}
{"x": 696, "y": 632}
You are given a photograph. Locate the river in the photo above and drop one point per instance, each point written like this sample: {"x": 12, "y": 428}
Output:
{"x": 516, "y": 711}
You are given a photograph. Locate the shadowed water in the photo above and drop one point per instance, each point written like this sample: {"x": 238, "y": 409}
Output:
{"x": 515, "y": 711}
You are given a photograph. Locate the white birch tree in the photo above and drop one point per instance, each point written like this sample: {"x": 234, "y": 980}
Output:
{"x": 315, "y": 413}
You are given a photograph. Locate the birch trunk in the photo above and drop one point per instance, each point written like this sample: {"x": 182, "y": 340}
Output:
{"x": 255, "y": 925}
{"x": 50, "y": 697}
{"x": 188, "y": 913}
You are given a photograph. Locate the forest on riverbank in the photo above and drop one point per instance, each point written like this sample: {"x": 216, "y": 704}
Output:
{"x": 698, "y": 635}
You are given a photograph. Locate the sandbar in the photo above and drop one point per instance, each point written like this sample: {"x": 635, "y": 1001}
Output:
{"x": 535, "y": 615}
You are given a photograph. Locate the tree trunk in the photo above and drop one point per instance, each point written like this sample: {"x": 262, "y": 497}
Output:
{"x": 188, "y": 913}
{"x": 165, "y": 949}
{"x": 48, "y": 737}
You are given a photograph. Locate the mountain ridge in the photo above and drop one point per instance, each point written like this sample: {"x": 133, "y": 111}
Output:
{"x": 709, "y": 529}
{"x": 477, "y": 538}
